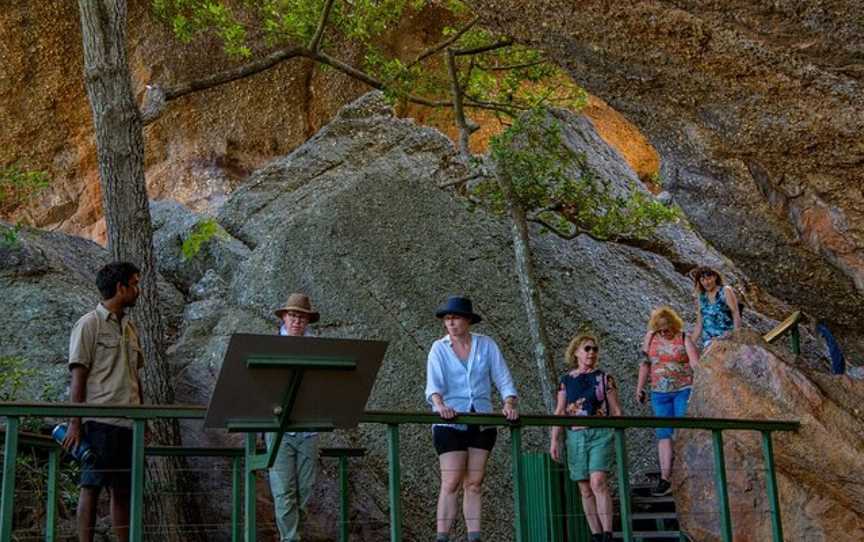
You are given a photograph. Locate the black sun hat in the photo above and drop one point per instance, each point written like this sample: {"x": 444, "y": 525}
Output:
{"x": 460, "y": 306}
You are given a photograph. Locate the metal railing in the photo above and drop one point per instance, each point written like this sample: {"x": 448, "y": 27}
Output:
{"x": 13, "y": 412}
{"x": 790, "y": 326}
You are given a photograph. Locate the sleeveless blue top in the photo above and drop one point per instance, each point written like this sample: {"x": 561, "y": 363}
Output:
{"x": 716, "y": 317}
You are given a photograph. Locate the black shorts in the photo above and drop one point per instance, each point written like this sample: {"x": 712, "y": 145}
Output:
{"x": 448, "y": 439}
{"x": 113, "y": 448}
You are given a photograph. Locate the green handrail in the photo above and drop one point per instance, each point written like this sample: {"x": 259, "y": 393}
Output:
{"x": 393, "y": 420}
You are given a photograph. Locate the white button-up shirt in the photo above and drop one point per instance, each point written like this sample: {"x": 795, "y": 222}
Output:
{"x": 464, "y": 385}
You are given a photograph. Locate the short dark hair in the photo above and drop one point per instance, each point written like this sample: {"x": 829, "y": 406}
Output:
{"x": 108, "y": 277}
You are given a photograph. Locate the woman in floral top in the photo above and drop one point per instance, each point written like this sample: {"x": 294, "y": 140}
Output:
{"x": 588, "y": 391}
{"x": 669, "y": 359}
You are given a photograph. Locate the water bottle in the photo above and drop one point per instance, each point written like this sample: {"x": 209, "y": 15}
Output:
{"x": 81, "y": 453}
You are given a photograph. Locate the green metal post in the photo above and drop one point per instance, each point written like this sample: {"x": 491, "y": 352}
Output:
{"x": 720, "y": 481}
{"x": 395, "y": 497}
{"x": 9, "y": 459}
{"x": 516, "y": 458}
{"x": 51, "y": 505}
{"x": 771, "y": 482}
{"x": 795, "y": 339}
{"x": 623, "y": 484}
{"x": 343, "y": 498}
{"x": 236, "y": 502}
{"x": 136, "y": 506}
{"x": 249, "y": 489}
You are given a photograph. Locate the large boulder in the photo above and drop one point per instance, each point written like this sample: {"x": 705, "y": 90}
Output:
{"x": 756, "y": 110}
{"x": 354, "y": 218}
{"x": 820, "y": 469}
{"x": 48, "y": 282}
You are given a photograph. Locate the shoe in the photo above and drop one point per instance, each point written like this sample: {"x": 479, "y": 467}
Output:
{"x": 607, "y": 536}
{"x": 596, "y": 537}
{"x": 663, "y": 488}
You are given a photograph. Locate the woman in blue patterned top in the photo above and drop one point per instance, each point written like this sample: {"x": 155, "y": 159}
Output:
{"x": 587, "y": 391}
{"x": 460, "y": 371}
{"x": 716, "y": 307}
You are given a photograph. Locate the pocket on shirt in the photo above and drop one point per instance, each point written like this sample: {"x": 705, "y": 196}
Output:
{"x": 108, "y": 342}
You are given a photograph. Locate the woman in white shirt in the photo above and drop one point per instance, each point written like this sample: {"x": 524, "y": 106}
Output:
{"x": 460, "y": 370}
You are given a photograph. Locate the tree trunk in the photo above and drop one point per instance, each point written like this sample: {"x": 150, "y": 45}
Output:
{"x": 530, "y": 292}
{"x": 120, "y": 149}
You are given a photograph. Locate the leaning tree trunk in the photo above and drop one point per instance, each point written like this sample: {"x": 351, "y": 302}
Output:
{"x": 120, "y": 149}
{"x": 529, "y": 291}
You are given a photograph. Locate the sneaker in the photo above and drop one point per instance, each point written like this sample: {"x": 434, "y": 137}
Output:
{"x": 596, "y": 537}
{"x": 663, "y": 488}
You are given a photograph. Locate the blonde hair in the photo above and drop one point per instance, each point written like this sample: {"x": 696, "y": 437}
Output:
{"x": 570, "y": 353}
{"x": 669, "y": 316}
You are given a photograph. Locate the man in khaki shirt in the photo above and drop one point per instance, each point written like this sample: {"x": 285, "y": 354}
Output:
{"x": 104, "y": 359}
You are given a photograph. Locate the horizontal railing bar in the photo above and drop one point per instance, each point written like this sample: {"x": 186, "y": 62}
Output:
{"x": 191, "y": 451}
{"x": 607, "y": 421}
{"x": 65, "y": 410}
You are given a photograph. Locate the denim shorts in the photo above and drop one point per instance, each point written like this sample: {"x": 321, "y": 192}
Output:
{"x": 667, "y": 405}
{"x": 589, "y": 450}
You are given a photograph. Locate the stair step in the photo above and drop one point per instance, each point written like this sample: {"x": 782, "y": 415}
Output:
{"x": 653, "y": 515}
{"x": 648, "y": 535}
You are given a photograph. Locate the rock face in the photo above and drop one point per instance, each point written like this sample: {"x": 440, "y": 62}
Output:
{"x": 756, "y": 111}
{"x": 820, "y": 469}
{"x": 47, "y": 282}
{"x": 198, "y": 151}
{"x": 354, "y": 218}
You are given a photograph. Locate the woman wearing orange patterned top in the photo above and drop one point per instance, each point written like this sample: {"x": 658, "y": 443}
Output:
{"x": 669, "y": 359}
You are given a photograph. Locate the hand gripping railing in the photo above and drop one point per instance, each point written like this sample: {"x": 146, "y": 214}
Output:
{"x": 393, "y": 420}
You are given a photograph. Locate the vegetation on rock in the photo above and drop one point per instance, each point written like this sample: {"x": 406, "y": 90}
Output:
{"x": 18, "y": 186}
{"x": 203, "y": 232}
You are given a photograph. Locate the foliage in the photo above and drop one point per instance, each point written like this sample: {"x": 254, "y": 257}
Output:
{"x": 202, "y": 233}
{"x": 31, "y": 465}
{"x": 18, "y": 186}
{"x": 507, "y": 78}
{"x": 555, "y": 186}
{"x": 9, "y": 235}
{"x": 13, "y": 377}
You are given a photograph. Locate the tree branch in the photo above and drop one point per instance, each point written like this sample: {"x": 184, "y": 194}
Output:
{"x": 466, "y": 128}
{"x": 509, "y": 67}
{"x": 443, "y": 44}
{"x": 319, "y": 32}
{"x": 485, "y": 48}
{"x": 572, "y": 235}
{"x": 156, "y": 95}
{"x": 463, "y": 180}
{"x": 324, "y": 58}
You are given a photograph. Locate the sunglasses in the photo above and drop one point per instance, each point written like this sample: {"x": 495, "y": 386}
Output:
{"x": 591, "y": 348}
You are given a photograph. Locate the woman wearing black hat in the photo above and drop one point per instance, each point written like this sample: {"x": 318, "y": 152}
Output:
{"x": 460, "y": 371}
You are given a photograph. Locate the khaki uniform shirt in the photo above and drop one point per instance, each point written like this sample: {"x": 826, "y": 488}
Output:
{"x": 110, "y": 350}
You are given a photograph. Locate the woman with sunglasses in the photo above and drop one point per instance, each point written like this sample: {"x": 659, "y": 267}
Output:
{"x": 669, "y": 359}
{"x": 717, "y": 311}
{"x": 587, "y": 391}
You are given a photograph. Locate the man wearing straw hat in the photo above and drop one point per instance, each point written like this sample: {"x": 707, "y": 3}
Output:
{"x": 293, "y": 472}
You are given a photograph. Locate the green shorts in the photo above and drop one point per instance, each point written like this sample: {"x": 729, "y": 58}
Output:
{"x": 589, "y": 450}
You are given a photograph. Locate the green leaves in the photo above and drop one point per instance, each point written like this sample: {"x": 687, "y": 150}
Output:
{"x": 19, "y": 186}
{"x": 202, "y": 233}
{"x": 557, "y": 188}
